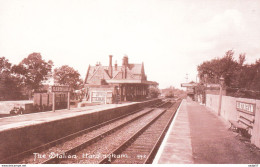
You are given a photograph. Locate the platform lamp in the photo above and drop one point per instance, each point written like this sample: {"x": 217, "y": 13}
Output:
{"x": 221, "y": 83}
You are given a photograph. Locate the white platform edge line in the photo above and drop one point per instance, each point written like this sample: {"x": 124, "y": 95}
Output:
{"x": 159, "y": 153}
{"x": 72, "y": 109}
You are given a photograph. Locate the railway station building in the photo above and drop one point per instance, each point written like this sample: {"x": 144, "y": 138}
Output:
{"x": 114, "y": 83}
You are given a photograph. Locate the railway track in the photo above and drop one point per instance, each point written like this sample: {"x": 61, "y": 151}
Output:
{"x": 42, "y": 153}
{"x": 116, "y": 141}
{"x": 102, "y": 148}
{"x": 142, "y": 147}
{"x": 109, "y": 149}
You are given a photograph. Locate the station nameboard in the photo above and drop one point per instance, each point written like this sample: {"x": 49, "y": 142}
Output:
{"x": 188, "y": 84}
{"x": 60, "y": 89}
{"x": 245, "y": 107}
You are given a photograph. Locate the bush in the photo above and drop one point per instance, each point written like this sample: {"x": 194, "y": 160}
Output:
{"x": 153, "y": 92}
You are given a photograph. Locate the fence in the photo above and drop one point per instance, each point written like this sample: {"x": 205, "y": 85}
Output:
{"x": 43, "y": 101}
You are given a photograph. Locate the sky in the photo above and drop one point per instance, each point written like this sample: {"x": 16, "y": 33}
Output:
{"x": 171, "y": 37}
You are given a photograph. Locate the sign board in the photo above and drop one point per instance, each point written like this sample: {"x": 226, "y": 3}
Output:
{"x": 246, "y": 107}
{"x": 188, "y": 84}
{"x": 56, "y": 89}
{"x": 60, "y": 89}
{"x": 190, "y": 90}
{"x": 101, "y": 96}
{"x": 213, "y": 85}
{"x": 98, "y": 97}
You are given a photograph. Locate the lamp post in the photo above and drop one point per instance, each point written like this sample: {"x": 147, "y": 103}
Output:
{"x": 221, "y": 83}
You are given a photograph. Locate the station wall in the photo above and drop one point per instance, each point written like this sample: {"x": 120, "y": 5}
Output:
{"x": 17, "y": 140}
{"x": 229, "y": 112}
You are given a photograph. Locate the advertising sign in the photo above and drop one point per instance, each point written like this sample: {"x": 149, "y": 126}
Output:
{"x": 101, "y": 97}
{"x": 98, "y": 97}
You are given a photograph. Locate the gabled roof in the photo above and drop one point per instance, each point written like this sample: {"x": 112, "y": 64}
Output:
{"x": 97, "y": 73}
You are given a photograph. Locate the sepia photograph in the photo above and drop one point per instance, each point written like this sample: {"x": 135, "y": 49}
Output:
{"x": 173, "y": 82}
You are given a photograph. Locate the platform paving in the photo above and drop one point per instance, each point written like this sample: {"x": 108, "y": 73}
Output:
{"x": 198, "y": 136}
{"x": 18, "y": 121}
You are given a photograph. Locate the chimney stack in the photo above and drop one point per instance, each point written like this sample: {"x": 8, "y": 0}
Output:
{"x": 125, "y": 61}
{"x": 116, "y": 66}
{"x": 125, "y": 64}
{"x": 110, "y": 69}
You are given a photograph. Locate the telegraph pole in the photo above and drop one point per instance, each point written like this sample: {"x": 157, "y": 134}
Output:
{"x": 187, "y": 78}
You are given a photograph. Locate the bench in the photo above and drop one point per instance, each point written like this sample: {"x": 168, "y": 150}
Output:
{"x": 246, "y": 118}
{"x": 242, "y": 125}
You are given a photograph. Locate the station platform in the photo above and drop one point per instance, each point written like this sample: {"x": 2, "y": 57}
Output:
{"x": 24, "y": 132}
{"x": 198, "y": 136}
{"x": 18, "y": 121}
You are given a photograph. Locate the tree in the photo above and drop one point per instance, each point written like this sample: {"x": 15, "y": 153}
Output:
{"x": 153, "y": 92}
{"x": 5, "y": 66}
{"x": 170, "y": 94}
{"x": 33, "y": 70}
{"x": 173, "y": 92}
{"x": 250, "y": 76}
{"x": 66, "y": 75}
{"x": 10, "y": 89}
{"x": 242, "y": 80}
{"x": 200, "y": 92}
{"x": 211, "y": 71}
{"x": 242, "y": 58}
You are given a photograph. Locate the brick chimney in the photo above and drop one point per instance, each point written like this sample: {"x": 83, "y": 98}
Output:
{"x": 125, "y": 61}
{"x": 116, "y": 66}
{"x": 110, "y": 69}
{"x": 124, "y": 65}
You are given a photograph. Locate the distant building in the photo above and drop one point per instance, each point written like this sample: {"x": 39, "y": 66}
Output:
{"x": 198, "y": 91}
{"x": 190, "y": 89}
{"x": 111, "y": 84}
